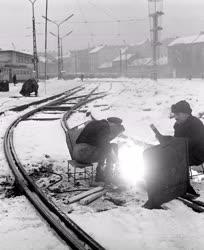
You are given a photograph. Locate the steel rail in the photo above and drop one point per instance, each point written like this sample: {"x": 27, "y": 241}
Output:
{"x": 25, "y": 106}
{"x": 63, "y": 225}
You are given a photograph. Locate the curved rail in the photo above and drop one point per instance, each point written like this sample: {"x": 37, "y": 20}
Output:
{"x": 63, "y": 225}
{"x": 27, "y": 105}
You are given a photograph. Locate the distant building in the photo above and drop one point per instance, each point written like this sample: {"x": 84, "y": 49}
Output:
{"x": 52, "y": 67}
{"x": 12, "y": 57}
{"x": 117, "y": 60}
{"x": 186, "y": 56}
{"x": 102, "y": 55}
{"x": 16, "y": 62}
{"x": 142, "y": 67}
{"x": 79, "y": 61}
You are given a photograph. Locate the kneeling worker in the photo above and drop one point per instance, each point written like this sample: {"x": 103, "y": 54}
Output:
{"x": 94, "y": 145}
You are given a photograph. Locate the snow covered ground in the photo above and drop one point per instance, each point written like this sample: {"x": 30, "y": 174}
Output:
{"x": 139, "y": 103}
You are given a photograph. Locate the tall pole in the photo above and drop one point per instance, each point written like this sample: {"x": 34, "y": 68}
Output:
{"x": 62, "y": 62}
{"x": 58, "y": 40}
{"x": 35, "y": 54}
{"x": 154, "y": 45}
{"x": 120, "y": 62}
{"x": 46, "y": 10}
{"x": 58, "y": 53}
{"x": 75, "y": 64}
{"x": 154, "y": 16}
{"x": 126, "y": 62}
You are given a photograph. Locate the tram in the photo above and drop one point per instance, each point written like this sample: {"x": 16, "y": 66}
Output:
{"x": 22, "y": 73}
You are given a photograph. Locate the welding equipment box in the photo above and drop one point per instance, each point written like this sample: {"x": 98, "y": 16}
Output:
{"x": 166, "y": 171}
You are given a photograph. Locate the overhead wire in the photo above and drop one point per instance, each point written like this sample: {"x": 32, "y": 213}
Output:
{"x": 113, "y": 21}
{"x": 85, "y": 20}
{"x": 109, "y": 13}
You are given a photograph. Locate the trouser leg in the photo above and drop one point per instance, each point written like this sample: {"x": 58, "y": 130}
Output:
{"x": 110, "y": 161}
{"x": 99, "y": 170}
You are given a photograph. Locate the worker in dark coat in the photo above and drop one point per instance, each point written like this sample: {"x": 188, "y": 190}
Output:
{"x": 94, "y": 145}
{"x": 189, "y": 127}
{"x": 29, "y": 87}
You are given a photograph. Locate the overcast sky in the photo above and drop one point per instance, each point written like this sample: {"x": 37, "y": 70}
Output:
{"x": 182, "y": 17}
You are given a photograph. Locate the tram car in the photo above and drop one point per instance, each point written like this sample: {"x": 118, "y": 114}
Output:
{"x": 22, "y": 73}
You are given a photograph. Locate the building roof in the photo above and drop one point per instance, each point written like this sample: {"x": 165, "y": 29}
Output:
{"x": 17, "y": 51}
{"x": 96, "y": 49}
{"x": 123, "y": 57}
{"x": 188, "y": 40}
{"x": 141, "y": 61}
{"x": 148, "y": 61}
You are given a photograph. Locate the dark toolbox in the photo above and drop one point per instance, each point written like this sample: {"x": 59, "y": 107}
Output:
{"x": 166, "y": 171}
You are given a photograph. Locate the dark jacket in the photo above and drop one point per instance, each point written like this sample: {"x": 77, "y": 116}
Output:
{"x": 95, "y": 133}
{"x": 193, "y": 130}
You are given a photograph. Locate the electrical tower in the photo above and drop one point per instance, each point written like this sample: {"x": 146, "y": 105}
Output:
{"x": 155, "y": 15}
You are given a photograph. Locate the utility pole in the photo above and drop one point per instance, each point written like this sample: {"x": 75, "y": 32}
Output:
{"x": 35, "y": 54}
{"x": 126, "y": 63}
{"x": 121, "y": 70}
{"x": 60, "y": 50}
{"x": 75, "y": 62}
{"x": 155, "y": 13}
{"x": 58, "y": 40}
{"x": 126, "y": 57}
{"x": 62, "y": 61}
{"x": 46, "y": 10}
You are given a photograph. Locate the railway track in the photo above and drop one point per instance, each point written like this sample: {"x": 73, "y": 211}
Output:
{"x": 69, "y": 231}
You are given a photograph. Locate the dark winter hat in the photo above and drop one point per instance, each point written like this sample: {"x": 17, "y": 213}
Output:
{"x": 115, "y": 120}
{"x": 181, "y": 107}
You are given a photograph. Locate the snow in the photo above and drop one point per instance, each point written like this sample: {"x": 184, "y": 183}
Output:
{"x": 96, "y": 49}
{"x": 139, "y": 102}
{"x": 22, "y": 227}
{"x": 123, "y": 57}
{"x": 188, "y": 40}
{"x": 50, "y": 87}
{"x": 148, "y": 61}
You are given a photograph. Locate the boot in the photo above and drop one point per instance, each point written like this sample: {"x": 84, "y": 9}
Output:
{"x": 191, "y": 190}
{"x": 99, "y": 174}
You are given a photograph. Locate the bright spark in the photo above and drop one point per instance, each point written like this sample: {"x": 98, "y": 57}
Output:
{"x": 131, "y": 165}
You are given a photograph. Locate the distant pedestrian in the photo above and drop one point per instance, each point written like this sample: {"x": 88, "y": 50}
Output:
{"x": 14, "y": 79}
{"x": 82, "y": 77}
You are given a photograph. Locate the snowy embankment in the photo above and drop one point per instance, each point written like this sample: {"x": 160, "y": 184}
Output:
{"x": 139, "y": 103}
{"x": 21, "y": 226}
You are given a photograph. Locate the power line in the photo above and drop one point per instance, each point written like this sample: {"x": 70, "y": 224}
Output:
{"x": 84, "y": 19}
{"x": 114, "y": 21}
{"x": 107, "y": 11}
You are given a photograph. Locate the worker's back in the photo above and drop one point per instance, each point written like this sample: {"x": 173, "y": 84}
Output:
{"x": 95, "y": 133}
